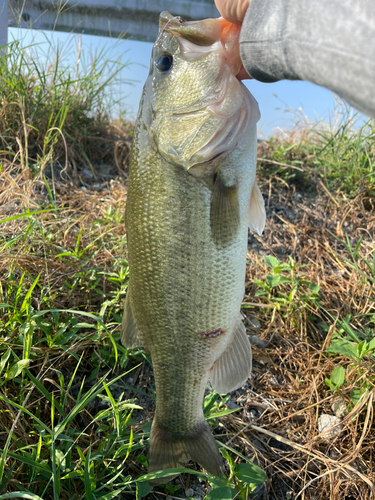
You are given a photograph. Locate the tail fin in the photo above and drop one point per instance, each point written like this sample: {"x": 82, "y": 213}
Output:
{"x": 169, "y": 453}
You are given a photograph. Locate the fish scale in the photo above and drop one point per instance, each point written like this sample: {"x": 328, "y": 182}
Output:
{"x": 186, "y": 262}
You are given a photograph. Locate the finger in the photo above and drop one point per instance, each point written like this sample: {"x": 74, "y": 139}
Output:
{"x": 233, "y": 10}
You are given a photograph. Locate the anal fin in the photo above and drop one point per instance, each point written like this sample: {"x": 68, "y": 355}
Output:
{"x": 233, "y": 367}
{"x": 168, "y": 452}
{"x": 129, "y": 330}
{"x": 225, "y": 212}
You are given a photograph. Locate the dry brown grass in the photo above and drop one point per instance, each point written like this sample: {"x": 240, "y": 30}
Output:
{"x": 277, "y": 421}
{"x": 288, "y": 390}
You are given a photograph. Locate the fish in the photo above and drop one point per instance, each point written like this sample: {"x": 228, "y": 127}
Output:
{"x": 192, "y": 194}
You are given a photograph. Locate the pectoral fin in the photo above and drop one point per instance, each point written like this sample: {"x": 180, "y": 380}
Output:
{"x": 129, "y": 330}
{"x": 225, "y": 212}
{"x": 256, "y": 215}
{"x": 233, "y": 367}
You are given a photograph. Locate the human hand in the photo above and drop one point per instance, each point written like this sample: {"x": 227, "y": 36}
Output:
{"x": 234, "y": 11}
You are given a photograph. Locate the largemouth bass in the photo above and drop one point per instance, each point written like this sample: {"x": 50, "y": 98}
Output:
{"x": 192, "y": 195}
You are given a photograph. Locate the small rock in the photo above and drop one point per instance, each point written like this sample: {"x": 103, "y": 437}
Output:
{"x": 231, "y": 405}
{"x": 254, "y": 323}
{"x": 189, "y": 492}
{"x": 326, "y": 422}
{"x": 339, "y": 407}
{"x": 87, "y": 173}
{"x": 255, "y": 340}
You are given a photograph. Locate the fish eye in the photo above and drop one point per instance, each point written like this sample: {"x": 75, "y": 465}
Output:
{"x": 164, "y": 62}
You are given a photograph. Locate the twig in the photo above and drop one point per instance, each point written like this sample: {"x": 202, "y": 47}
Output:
{"x": 281, "y": 164}
{"x": 329, "y": 194}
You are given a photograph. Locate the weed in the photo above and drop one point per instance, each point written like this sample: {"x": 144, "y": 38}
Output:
{"x": 341, "y": 154}
{"x": 55, "y": 120}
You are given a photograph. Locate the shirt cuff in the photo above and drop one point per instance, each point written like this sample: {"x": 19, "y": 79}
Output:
{"x": 262, "y": 41}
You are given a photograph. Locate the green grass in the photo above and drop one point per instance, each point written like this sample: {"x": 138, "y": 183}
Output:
{"x": 75, "y": 405}
{"x": 341, "y": 154}
{"x": 52, "y": 114}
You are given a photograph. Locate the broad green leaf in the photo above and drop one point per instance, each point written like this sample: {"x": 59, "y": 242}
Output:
{"x": 344, "y": 347}
{"x": 229, "y": 458}
{"x": 329, "y": 383}
{"x": 60, "y": 459}
{"x": 73, "y": 474}
{"x": 16, "y": 368}
{"x": 143, "y": 489}
{"x": 271, "y": 261}
{"x": 26, "y": 300}
{"x": 362, "y": 349}
{"x": 273, "y": 280}
{"x": 285, "y": 279}
{"x": 222, "y": 489}
{"x": 371, "y": 345}
{"x": 250, "y": 473}
{"x": 114, "y": 408}
{"x": 338, "y": 376}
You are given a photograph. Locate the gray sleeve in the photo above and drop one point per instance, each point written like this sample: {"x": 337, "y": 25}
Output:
{"x": 327, "y": 42}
